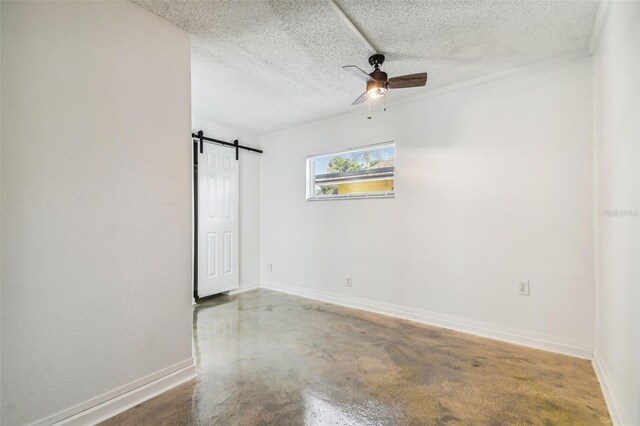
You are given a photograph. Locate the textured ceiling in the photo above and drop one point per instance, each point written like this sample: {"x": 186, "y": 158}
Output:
{"x": 266, "y": 65}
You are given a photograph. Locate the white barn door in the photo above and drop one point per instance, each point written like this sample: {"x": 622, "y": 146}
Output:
{"x": 217, "y": 220}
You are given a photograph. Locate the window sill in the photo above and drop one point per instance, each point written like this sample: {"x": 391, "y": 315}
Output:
{"x": 352, "y": 197}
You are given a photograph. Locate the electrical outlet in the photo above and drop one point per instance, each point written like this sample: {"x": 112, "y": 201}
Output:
{"x": 523, "y": 288}
{"x": 349, "y": 282}
{"x": 270, "y": 267}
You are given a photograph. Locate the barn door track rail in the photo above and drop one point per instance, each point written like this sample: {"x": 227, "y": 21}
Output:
{"x": 202, "y": 139}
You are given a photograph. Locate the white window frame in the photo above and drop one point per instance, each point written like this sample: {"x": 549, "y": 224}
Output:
{"x": 310, "y": 192}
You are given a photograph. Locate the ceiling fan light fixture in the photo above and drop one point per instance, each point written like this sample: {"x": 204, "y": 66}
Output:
{"x": 376, "y": 88}
{"x": 377, "y": 92}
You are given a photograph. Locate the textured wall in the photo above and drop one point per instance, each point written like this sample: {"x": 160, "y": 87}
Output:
{"x": 96, "y": 218}
{"x": 493, "y": 186}
{"x": 617, "y": 206}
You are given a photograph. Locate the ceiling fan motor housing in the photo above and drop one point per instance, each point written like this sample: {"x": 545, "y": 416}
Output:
{"x": 379, "y": 78}
{"x": 378, "y": 75}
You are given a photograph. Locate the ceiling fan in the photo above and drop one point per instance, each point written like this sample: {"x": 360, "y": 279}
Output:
{"x": 378, "y": 83}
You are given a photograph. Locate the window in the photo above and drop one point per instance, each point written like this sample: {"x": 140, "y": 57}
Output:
{"x": 365, "y": 172}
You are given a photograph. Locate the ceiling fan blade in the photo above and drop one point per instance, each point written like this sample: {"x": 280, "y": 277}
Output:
{"x": 357, "y": 72}
{"x": 410, "y": 80}
{"x": 362, "y": 98}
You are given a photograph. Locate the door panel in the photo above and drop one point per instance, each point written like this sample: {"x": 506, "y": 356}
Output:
{"x": 217, "y": 220}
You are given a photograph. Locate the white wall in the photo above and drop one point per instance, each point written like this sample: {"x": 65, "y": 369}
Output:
{"x": 249, "y": 194}
{"x": 0, "y": 213}
{"x": 96, "y": 202}
{"x": 617, "y": 186}
{"x": 493, "y": 184}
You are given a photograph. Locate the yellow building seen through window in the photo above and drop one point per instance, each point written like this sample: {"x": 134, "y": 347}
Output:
{"x": 364, "y": 187}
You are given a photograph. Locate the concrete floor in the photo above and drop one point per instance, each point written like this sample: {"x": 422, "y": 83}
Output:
{"x": 269, "y": 358}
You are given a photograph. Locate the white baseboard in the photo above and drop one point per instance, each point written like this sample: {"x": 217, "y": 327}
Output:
{"x": 121, "y": 399}
{"x": 520, "y": 337}
{"x": 604, "y": 379}
{"x": 243, "y": 289}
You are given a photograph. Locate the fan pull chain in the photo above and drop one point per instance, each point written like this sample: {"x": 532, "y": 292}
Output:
{"x": 385, "y": 102}
{"x": 369, "y": 103}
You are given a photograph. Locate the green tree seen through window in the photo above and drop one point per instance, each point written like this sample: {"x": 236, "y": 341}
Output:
{"x": 339, "y": 164}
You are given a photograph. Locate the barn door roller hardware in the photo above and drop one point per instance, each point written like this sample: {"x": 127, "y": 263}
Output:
{"x": 202, "y": 139}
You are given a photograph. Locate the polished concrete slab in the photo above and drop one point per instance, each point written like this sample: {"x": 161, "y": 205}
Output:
{"x": 269, "y": 358}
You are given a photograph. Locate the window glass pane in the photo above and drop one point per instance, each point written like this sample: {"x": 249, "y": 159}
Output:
{"x": 361, "y": 172}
